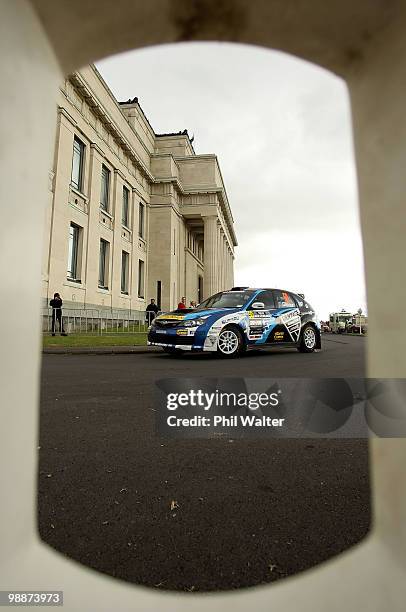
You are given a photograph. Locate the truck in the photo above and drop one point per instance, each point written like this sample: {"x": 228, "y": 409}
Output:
{"x": 358, "y": 324}
{"x": 338, "y": 321}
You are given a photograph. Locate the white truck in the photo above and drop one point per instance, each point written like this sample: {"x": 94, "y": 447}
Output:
{"x": 338, "y": 321}
{"x": 358, "y": 324}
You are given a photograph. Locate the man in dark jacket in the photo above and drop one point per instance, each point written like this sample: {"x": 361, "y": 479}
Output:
{"x": 56, "y": 305}
{"x": 151, "y": 311}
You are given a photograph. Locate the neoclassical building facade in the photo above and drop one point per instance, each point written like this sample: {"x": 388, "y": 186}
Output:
{"x": 132, "y": 215}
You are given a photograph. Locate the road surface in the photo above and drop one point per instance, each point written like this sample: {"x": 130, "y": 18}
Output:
{"x": 194, "y": 515}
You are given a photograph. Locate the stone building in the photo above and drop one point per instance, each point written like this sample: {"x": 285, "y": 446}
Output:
{"x": 132, "y": 215}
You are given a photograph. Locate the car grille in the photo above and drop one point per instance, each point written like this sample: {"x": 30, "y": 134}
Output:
{"x": 166, "y": 324}
{"x": 170, "y": 339}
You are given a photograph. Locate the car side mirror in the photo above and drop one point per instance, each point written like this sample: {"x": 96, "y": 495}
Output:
{"x": 258, "y": 306}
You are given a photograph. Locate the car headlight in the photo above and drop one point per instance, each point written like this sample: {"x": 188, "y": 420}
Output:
{"x": 193, "y": 322}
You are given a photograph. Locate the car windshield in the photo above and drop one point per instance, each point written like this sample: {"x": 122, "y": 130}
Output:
{"x": 227, "y": 299}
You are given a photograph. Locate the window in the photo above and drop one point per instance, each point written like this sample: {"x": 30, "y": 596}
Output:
{"x": 124, "y": 271}
{"x": 125, "y": 208}
{"x": 199, "y": 289}
{"x": 103, "y": 264}
{"x": 283, "y": 299}
{"x": 73, "y": 253}
{"x": 158, "y": 293}
{"x": 77, "y": 164}
{"x": 140, "y": 278}
{"x": 105, "y": 189}
{"x": 266, "y": 297}
{"x": 141, "y": 220}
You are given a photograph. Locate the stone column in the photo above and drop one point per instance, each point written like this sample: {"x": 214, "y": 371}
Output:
{"x": 210, "y": 255}
{"x": 229, "y": 285}
{"x": 61, "y": 214}
{"x": 219, "y": 258}
{"x": 93, "y": 232}
{"x": 220, "y": 261}
{"x": 223, "y": 262}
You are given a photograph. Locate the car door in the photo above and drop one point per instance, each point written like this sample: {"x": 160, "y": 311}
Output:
{"x": 287, "y": 319}
{"x": 259, "y": 321}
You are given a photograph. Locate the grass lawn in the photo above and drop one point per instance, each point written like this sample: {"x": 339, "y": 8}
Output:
{"x": 119, "y": 339}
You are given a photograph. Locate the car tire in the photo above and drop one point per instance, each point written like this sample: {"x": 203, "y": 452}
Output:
{"x": 175, "y": 352}
{"x": 308, "y": 340}
{"x": 230, "y": 343}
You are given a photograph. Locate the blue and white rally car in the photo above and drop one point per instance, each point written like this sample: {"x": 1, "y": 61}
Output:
{"x": 233, "y": 321}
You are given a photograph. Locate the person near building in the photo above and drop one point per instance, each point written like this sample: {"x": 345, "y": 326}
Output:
{"x": 56, "y": 305}
{"x": 192, "y": 304}
{"x": 151, "y": 311}
{"x": 182, "y": 304}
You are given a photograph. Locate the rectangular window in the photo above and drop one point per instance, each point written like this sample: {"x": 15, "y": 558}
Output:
{"x": 282, "y": 299}
{"x": 103, "y": 264}
{"x": 158, "y": 294}
{"x": 124, "y": 271}
{"x": 199, "y": 289}
{"x": 141, "y": 220}
{"x": 77, "y": 164}
{"x": 125, "y": 209}
{"x": 73, "y": 253}
{"x": 105, "y": 189}
{"x": 267, "y": 298}
{"x": 140, "y": 278}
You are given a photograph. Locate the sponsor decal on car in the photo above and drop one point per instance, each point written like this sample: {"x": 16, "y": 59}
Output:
{"x": 291, "y": 320}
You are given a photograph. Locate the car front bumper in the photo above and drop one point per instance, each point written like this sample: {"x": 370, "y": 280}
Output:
{"x": 187, "y": 340}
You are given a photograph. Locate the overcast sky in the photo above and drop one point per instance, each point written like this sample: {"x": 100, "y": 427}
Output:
{"x": 281, "y": 129}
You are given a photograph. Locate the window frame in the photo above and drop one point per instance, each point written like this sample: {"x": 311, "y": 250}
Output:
{"x": 73, "y": 255}
{"x": 141, "y": 279}
{"x": 258, "y": 298}
{"x": 141, "y": 220}
{"x": 105, "y": 260}
{"x": 294, "y": 305}
{"x": 125, "y": 207}
{"x": 125, "y": 268}
{"x": 81, "y": 150}
{"x": 105, "y": 182}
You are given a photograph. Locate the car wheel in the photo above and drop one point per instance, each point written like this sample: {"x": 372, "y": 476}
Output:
{"x": 230, "y": 343}
{"x": 308, "y": 340}
{"x": 172, "y": 351}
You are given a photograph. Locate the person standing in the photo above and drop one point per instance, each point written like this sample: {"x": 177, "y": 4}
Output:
{"x": 56, "y": 305}
{"x": 151, "y": 311}
{"x": 182, "y": 304}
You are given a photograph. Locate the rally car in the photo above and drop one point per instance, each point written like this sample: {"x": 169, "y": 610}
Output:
{"x": 233, "y": 321}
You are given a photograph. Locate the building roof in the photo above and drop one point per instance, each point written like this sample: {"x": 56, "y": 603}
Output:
{"x": 135, "y": 100}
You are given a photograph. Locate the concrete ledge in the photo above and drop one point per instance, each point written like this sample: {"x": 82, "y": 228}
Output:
{"x": 100, "y": 350}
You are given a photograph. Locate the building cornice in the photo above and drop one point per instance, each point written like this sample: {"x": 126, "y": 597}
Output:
{"x": 91, "y": 99}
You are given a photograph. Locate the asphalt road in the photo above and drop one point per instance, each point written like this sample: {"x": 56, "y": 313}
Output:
{"x": 193, "y": 515}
